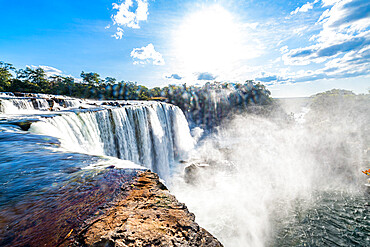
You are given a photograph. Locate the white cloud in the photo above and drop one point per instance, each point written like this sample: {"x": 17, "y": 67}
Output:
{"x": 352, "y": 64}
{"x": 306, "y": 7}
{"x": 345, "y": 17}
{"x": 129, "y": 14}
{"x": 118, "y": 34}
{"x": 345, "y": 31}
{"x": 284, "y": 49}
{"x": 147, "y": 54}
{"x": 324, "y": 15}
{"x": 299, "y": 31}
{"x": 49, "y": 71}
{"x": 329, "y": 2}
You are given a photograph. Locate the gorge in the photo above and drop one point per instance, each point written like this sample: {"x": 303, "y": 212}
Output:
{"x": 256, "y": 180}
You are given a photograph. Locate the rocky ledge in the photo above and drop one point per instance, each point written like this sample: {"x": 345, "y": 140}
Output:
{"x": 148, "y": 216}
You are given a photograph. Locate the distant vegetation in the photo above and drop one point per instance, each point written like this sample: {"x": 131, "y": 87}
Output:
{"x": 204, "y": 105}
{"x": 340, "y": 106}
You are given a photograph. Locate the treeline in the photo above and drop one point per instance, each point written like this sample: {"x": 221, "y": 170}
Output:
{"x": 203, "y": 105}
{"x": 31, "y": 80}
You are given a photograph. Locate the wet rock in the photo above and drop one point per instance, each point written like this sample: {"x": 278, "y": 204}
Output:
{"x": 55, "y": 108}
{"x": 19, "y": 94}
{"x": 148, "y": 216}
{"x": 23, "y": 124}
{"x": 194, "y": 171}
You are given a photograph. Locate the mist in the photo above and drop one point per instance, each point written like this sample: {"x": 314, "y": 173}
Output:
{"x": 250, "y": 180}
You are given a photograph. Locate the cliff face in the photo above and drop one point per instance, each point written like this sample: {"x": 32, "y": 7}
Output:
{"x": 148, "y": 216}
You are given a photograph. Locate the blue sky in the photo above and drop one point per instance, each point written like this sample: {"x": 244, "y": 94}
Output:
{"x": 296, "y": 48}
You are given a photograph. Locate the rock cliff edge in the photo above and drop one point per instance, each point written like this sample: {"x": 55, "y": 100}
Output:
{"x": 148, "y": 215}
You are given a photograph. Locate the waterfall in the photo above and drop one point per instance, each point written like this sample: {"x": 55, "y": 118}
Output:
{"x": 7, "y": 107}
{"x": 21, "y": 105}
{"x": 71, "y": 103}
{"x": 154, "y": 135}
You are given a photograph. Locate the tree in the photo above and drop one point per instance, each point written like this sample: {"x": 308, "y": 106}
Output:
{"x": 62, "y": 85}
{"x": 110, "y": 81}
{"x": 155, "y": 92}
{"x": 36, "y": 78}
{"x": 5, "y": 75}
{"x": 91, "y": 78}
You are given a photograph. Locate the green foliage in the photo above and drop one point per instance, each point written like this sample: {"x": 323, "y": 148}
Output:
{"x": 91, "y": 78}
{"x": 35, "y": 79}
{"x": 110, "y": 81}
{"x": 5, "y": 75}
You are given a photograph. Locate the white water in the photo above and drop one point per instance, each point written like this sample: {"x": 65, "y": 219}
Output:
{"x": 11, "y": 105}
{"x": 260, "y": 170}
{"x": 154, "y": 135}
{"x": 72, "y": 103}
{"x": 18, "y": 106}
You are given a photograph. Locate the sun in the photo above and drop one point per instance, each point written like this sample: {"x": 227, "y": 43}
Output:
{"x": 209, "y": 40}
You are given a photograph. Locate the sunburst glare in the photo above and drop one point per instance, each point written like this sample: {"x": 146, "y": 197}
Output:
{"x": 211, "y": 40}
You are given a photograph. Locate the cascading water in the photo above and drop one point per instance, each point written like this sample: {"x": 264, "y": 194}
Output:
{"x": 7, "y": 107}
{"x": 71, "y": 103}
{"x": 13, "y": 106}
{"x": 153, "y": 135}
{"x": 9, "y": 104}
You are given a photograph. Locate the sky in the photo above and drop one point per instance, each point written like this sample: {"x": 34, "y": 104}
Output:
{"x": 295, "y": 48}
